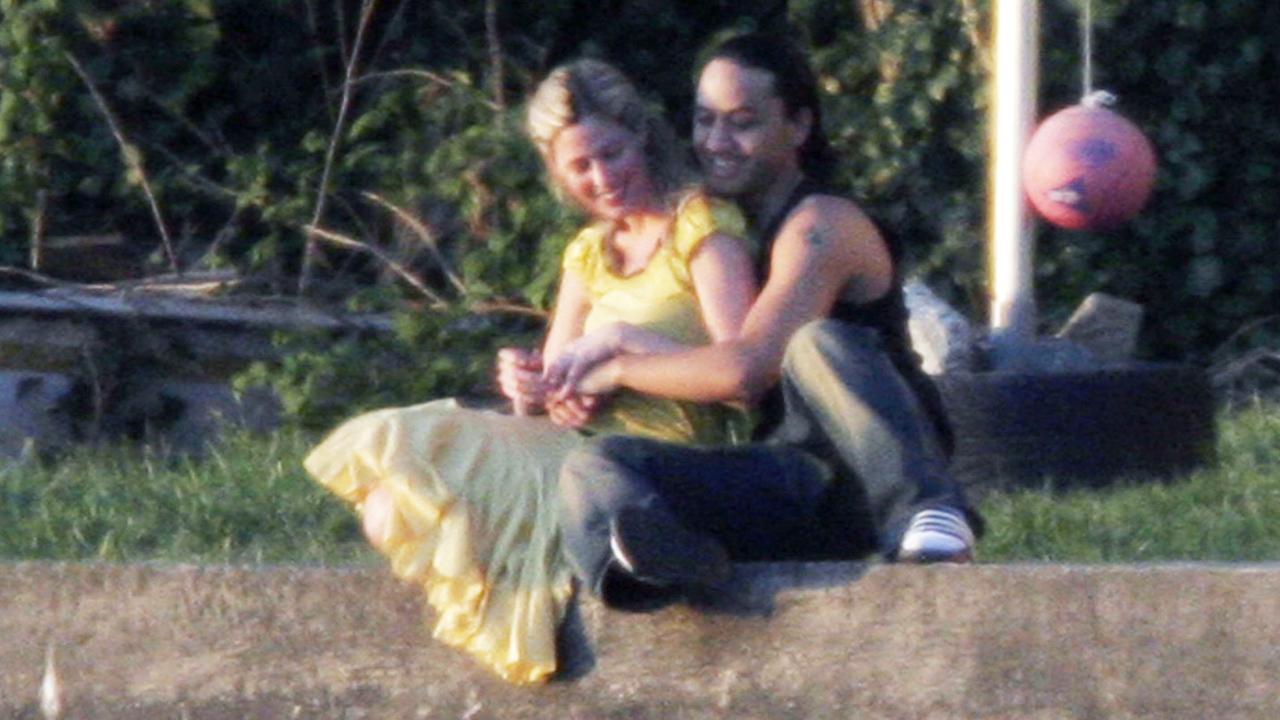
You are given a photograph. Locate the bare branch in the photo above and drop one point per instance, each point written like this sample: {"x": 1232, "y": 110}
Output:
{"x": 424, "y": 233}
{"x": 389, "y": 32}
{"x": 35, "y": 277}
{"x": 351, "y": 243}
{"x": 193, "y": 178}
{"x": 1223, "y": 352}
{"x": 340, "y": 17}
{"x": 507, "y": 308}
{"x": 131, "y": 157}
{"x": 495, "y": 56}
{"x": 312, "y": 249}
{"x": 38, "y": 228}
{"x": 211, "y": 143}
{"x": 313, "y": 30}
{"x": 429, "y": 76}
{"x": 95, "y": 380}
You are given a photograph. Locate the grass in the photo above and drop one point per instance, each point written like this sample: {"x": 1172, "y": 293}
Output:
{"x": 249, "y": 500}
{"x": 1230, "y": 512}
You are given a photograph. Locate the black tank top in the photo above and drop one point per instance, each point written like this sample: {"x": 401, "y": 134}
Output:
{"x": 886, "y": 314}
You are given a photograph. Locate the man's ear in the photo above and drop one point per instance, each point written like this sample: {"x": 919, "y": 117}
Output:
{"x": 802, "y": 124}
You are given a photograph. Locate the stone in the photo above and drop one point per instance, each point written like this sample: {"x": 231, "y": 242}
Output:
{"x": 1106, "y": 326}
{"x": 823, "y": 641}
{"x": 939, "y": 333}
{"x": 31, "y": 416}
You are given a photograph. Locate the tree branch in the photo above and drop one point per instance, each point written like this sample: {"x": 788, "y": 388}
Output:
{"x": 495, "y": 56}
{"x": 312, "y": 249}
{"x": 132, "y": 158}
{"x": 424, "y": 233}
{"x": 351, "y": 243}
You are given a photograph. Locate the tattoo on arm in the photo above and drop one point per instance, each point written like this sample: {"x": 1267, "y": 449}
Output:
{"x": 815, "y": 237}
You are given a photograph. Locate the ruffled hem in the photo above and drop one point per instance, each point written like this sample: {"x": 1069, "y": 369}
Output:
{"x": 474, "y": 524}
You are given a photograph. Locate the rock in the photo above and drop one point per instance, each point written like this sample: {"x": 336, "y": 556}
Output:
{"x": 29, "y": 413}
{"x": 1106, "y": 326}
{"x": 940, "y": 334}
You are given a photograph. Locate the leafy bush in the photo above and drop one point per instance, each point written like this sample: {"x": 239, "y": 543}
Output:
{"x": 321, "y": 380}
{"x": 231, "y": 110}
{"x": 1201, "y": 255}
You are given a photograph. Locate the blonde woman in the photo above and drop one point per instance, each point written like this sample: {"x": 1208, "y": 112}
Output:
{"x": 463, "y": 502}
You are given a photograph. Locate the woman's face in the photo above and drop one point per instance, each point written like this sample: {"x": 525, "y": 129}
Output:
{"x": 602, "y": 167}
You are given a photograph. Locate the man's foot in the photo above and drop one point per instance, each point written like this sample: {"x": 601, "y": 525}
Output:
{"x": 937, "y": 535}
{"x": 656, "y": 550}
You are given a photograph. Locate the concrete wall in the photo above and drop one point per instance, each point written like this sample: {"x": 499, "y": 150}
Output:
{"x": 817, "y": 640}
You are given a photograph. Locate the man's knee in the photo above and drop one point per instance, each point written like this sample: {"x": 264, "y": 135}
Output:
{"x": 596, "y": 478}
{"x": 820, "y": 344}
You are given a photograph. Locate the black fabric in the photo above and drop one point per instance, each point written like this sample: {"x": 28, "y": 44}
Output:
{"x": 887, "y": 315}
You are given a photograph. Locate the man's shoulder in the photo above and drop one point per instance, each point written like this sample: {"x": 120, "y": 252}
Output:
{"x": 830, "y": 214}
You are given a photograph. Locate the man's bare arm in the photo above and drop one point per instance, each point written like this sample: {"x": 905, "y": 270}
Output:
{"x": 826, "y": 246}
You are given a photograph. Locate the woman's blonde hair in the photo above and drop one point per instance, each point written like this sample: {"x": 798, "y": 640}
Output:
{"x": 583, "y": 88}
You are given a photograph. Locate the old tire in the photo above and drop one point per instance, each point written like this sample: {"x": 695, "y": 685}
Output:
{"x": 1079, "y": 428}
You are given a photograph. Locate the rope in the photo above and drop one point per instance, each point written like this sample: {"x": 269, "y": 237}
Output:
{"x": 1086, "y": 32}
{"x": 1091, "y": 98}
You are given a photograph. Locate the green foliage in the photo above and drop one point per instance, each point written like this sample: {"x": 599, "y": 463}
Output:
{"x": 906, "y": 100}
{"x": 321, "y": 381}
{"x": 905, "y": 108}
{"x": 232, "y": 107}
{"x": 1201, "y": 256}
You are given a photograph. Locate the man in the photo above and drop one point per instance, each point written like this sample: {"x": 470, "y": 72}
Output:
{"x": 856, "y": 436}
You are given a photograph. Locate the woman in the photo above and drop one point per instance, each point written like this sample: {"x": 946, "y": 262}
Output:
{"x": 464, "y": 501}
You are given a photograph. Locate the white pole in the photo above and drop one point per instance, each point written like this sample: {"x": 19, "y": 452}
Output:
{"x": 1017, "y": 71}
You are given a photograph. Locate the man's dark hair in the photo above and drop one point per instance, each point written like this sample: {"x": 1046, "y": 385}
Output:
{"x": 795, "y": 84}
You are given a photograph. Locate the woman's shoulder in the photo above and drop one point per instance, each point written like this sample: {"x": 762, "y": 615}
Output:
{"x": 699, "y": 215}
{"x": 697, "y": 204}
{"x": 585, "y": 251}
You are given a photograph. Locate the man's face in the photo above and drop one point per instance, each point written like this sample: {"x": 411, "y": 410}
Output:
{"x": 742, "y": 135}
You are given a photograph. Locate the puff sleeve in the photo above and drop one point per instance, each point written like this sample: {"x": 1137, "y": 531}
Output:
{"x": 582, "y": 255}
{"x": 700, "y": 216}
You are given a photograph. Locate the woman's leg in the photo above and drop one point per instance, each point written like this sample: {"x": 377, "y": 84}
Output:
{"x": 377, "y": 515}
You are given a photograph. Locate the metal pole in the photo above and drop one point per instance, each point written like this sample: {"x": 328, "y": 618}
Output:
{"x": 1017, "y": 71}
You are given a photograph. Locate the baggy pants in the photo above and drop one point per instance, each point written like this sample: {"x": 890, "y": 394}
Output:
{"x": 854, "y": 458}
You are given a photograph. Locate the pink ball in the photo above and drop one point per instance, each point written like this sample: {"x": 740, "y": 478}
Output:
{"x": 1088, "y": 168}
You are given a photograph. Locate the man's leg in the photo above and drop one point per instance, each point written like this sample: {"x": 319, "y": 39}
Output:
{"x": 757, "y": 502}
{"x": 845, "y": 400}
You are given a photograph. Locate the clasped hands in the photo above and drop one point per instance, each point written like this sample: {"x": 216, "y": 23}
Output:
{"x": 570, "y": 388}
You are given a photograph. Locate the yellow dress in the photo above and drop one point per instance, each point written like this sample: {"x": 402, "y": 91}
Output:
{"x": 474, "y": 491}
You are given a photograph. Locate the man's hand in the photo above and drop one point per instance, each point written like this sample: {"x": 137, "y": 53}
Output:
{"x": 601, "y": 379}
{"x": 519, "y": 374}
{"x": 580, "y": 356}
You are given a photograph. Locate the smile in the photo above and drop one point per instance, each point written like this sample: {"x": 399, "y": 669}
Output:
{"x": 720, "y": 167}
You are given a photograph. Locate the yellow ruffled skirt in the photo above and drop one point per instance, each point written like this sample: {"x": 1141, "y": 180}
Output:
{"x": 474, "y": 521}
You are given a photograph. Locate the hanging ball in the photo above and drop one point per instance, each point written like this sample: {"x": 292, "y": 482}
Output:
{"x": 1087, "y": 167}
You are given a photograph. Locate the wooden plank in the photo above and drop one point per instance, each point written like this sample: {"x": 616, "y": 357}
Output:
{"x": 250, "y": 313}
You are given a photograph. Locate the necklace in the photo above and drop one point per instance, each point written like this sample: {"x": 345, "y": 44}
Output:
{"x": 631, "y": 254}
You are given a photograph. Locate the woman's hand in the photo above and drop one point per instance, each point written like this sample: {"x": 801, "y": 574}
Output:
{"x": 520, "y": 379}
{"x": 573, "y": 412}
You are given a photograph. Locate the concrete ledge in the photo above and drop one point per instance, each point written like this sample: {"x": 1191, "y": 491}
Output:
{"x": 812, "y": 640}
